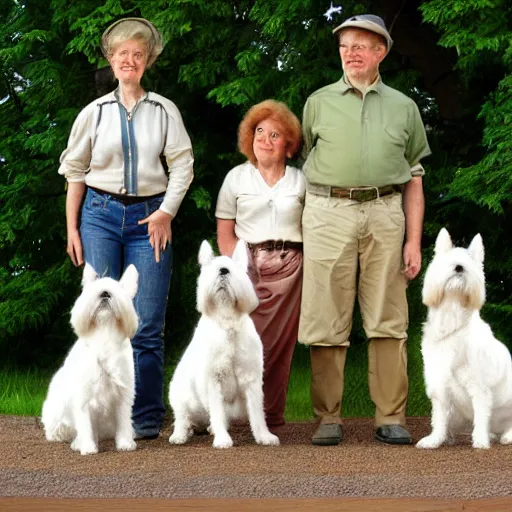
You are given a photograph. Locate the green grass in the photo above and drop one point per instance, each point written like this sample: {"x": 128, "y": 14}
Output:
{"x": 22, "y": 392}
{"x": 356, "y": 397}
{"x": 298, "y": 402}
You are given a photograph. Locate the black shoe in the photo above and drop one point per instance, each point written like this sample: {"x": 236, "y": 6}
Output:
{"x": 140, "y": 437}
{"x": 146, "y": 434}
{"x": 328, "y": 434}
{"x": 393, "y": 434}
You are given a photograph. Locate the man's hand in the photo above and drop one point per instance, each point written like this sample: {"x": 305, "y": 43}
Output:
{"x": 412, "y": 260}
{"x": 159, "y": 230}
{"x": 74, "y": 248}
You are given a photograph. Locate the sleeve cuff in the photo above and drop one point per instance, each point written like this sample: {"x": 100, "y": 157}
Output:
{"x": 75, "y": 179}
{"x": 417, "y": 170}
{"x": 169, "y": 211}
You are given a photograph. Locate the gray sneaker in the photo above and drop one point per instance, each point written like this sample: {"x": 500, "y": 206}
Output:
{"x": 328, "y": 434}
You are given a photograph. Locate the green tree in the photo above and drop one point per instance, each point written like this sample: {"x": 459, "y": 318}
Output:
{"x": 477, "y": 197}
{"x": 221, "y": 57}
{"x": 43, "y": 96}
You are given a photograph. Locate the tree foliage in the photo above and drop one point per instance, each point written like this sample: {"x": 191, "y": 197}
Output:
{"x": 481, "y": 183}
{"x": 220, "y": 58}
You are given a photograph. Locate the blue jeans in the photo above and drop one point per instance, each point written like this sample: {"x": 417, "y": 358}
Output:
{"x": 112, "y": 240}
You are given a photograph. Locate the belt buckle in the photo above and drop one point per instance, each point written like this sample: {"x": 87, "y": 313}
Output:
{"x": 361, "y": 195}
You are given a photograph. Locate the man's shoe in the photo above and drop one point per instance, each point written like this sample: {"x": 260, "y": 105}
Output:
{"x": 393, "y": 434}
{"x": 146, "y": 434}
{"x": 328, "y": 434}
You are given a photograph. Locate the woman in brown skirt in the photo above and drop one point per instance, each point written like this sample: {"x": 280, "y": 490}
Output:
{"x": 261, "y": 202}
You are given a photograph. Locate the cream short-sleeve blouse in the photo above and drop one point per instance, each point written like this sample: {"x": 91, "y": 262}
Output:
{"x": 262, "y": 212}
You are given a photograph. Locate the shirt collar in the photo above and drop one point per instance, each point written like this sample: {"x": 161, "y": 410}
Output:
{"x": 376, "y": 86}
{"x": 117, "y": 96}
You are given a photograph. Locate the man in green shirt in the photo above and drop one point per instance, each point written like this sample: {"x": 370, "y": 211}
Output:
{"x": 363, "y": 141}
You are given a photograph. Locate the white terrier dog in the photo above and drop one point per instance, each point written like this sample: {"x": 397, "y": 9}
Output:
{"x": 220, "y": 376}
{"x": 90, "y": 397}
{"x": 468, "y": 372}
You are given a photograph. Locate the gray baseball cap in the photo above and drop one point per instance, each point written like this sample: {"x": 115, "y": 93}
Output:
{"x": 367, "y": 22}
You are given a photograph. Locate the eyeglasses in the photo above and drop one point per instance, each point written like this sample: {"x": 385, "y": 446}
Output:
{"x": 355, "y": 48}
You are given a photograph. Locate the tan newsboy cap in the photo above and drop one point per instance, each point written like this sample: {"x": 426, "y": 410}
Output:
{"x": 367, "y": 22}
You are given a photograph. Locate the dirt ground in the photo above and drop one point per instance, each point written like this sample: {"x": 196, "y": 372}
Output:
{"x": 359, "y": 469}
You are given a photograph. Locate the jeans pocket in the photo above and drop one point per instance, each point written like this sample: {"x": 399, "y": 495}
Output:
{"x": 95, "y": 203}
{"x": 152, "y": 205}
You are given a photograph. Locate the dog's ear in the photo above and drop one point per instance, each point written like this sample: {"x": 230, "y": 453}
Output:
{"x": 130, "y": 280}
{"x": 89, "y": 275}
{"x": 443, "y": 242}
{"x": 240, "y": 255}
{"x": 205, "y": 253}
{"x": 476, "y": 249}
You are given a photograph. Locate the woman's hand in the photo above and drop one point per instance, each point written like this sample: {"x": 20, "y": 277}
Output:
{"x": 159, "y": 230}
{"x": 74, "y": 248}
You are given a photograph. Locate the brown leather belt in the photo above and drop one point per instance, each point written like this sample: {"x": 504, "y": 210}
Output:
{"x": 360, "y": 194}
{"x": 275, "y": 245}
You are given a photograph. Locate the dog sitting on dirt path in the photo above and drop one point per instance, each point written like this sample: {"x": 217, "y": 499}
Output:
{"x": 468, "y": 372}
{"x": 220, "y": 376}
{"x": 90, "y": 397}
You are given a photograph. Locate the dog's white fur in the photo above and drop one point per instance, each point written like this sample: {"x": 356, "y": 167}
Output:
{"x": 90, "y": 397}
{"x": 468, "y": 372}
{"x": 220, "y": 376}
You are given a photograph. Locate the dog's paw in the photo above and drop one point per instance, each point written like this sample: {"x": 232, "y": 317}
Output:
{"x": 222, "y": 441}
{"x": 177, "y": 438}
{"x": 268, "y": 439}
{"x": 481, "y": 443}
{"x": 506, "y": 438}
{"x": 126, "y": 445}
{"x": 429, "y": 443}
{"x": 84, "y": 448}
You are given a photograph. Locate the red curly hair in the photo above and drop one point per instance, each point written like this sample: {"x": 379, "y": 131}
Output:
{"x": 276, "y": 111}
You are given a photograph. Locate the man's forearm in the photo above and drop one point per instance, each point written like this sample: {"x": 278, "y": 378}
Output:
{"x": 414, "y": 208}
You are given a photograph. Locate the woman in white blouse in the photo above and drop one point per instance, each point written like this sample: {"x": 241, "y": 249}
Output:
{"x": 121, "y": 201}
{"x": 261, "y": 202}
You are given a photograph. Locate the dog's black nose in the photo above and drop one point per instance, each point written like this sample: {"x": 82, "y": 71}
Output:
{"x": 105, "y": 295}
{"x": 459, "y": 268}
{"x": 223, "y": 271}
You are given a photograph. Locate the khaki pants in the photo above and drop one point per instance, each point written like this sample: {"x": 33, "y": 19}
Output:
{"x": 355, "y": 249}
{"x": 387, "y": 380}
